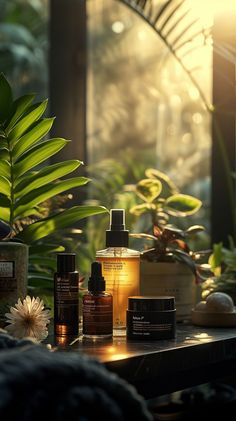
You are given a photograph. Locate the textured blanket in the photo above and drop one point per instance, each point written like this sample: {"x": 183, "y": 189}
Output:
{"x": 36, "y": 384}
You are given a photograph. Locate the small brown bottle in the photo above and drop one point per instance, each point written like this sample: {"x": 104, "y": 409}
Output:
{"x": 97, "y": 306}
{"x": 66, "y": 296}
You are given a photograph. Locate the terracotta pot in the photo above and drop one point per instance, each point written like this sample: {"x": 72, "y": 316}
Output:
{"x": 174, "y": 279}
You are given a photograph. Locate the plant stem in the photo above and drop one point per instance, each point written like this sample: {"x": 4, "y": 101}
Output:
{"x": 12, "y": 197}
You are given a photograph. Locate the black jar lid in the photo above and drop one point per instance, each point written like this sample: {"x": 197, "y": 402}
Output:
{"x": 157, "y": 303}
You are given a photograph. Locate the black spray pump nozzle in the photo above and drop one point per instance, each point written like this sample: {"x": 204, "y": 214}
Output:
{"x": 117, "y": 220}
{"x": 96, "y": 281}
{"x": 117, "y": 235}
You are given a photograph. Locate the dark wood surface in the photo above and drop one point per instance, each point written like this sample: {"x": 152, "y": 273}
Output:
{"x": 197, "y": 355}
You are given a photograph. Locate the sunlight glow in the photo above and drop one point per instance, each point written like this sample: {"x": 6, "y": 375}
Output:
{"x": 206, "y": 10}
{"x": 118, "y": 357}
{"x": 203, "y": 337}
{"x": 118, "y": 27}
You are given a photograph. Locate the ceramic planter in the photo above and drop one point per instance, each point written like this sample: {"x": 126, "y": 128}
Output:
{"x": 173, "y": 279}
{"x": 13, "y": 274}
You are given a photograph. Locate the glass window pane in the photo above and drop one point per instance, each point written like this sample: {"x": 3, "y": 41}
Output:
{"x": 144, "y": 110}
{"x": 24, "y": 45}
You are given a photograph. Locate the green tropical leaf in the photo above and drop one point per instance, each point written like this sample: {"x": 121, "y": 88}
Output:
{"x": 216, "y": 258}
{"x": 174, "y": 27}
{"x": 47, "y": 262}
{"x": 6, "y": 99}
{"x": 153, "y": 173}
{"x": 5, "y": 168}
{"x": 231, "y": 243}
{"x": 182, "y": 205}
{"x": 5, "y": 186}
{"x": 39, "y": 280}
{"x": 161, "y": 11}
{"x": 43, "y": 193}
{"x": 194, "y": 229}
{"x": 144, "y": 236}
{"x": 24, "y": 179}
{"x": 36, "y": 133}
{"x": 4, "y": 201}
{"x": 54, "y": 223}
{"x": 31, "y": 212}
{"x": 38, "y": 154}
{"x": 24, "y": 123}
{"x": 19, "y": 106}
{"x": 4, "y": 154}
{"x": 148, "y": 189}
{"x": 45, "y": 176}
{"x": 5, "y": 214}
{"x": 172, "y": 14}
{"x": 138, "y": 210}
{"x": 45, "y": 249}
{"x": 4, "y": 208}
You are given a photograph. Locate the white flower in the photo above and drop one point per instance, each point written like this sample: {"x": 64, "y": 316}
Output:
{"x": 28, "y": 319}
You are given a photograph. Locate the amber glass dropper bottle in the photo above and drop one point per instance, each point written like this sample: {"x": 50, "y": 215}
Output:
{"x": 97, "y": 306}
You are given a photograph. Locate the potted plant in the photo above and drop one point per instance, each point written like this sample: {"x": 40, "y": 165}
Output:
{"x": 168, "y": 266}
{"x": 25, "y": 188}
{"x": 222, "y": 264}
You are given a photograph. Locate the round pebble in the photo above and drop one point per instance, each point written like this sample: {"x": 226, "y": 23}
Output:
{"x": 219, "y": 302}
{"x": 201, "y": 306}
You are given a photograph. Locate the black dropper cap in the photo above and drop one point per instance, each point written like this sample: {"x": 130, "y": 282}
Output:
{"x": 96, "y": 281}
{"x": 117, "y": 235}
{"x": 66, "y": 262}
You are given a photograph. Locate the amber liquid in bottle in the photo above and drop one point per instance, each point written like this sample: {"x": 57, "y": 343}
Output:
{"x": 97, "y": 306}
{"x": 122, "y": 280}
{"x": 97, "y": 315}
{"x": 120, "y": 268}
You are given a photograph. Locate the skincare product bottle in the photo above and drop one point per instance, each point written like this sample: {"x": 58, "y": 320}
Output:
{"x": 120, "y": 267}
{"x": 97, "y": 306}
{"x": 151, "y": 318}
{"x": 66, "y": 296}
{"x": 13, "y": 274}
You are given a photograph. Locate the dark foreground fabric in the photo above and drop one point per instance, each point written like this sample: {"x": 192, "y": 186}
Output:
{"x": 36, "y": 384}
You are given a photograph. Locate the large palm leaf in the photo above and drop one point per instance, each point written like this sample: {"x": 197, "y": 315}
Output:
{"x": 173, "y": 23}
{"x": 23, "y": 185}
{"x": 181, "y": 33}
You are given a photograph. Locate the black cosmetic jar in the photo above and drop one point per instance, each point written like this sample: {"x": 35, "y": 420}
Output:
{"x": 151, "y": 318}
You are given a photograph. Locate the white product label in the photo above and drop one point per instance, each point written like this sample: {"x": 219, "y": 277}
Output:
{"x": 6, "y": 269}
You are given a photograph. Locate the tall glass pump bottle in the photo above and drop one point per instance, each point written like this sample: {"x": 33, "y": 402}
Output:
{"x": 120, "y": 268}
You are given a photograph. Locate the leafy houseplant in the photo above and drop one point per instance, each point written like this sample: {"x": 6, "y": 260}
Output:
{"x": 160, "y": 274}
{"x": 26, "y": 185}
{"x": 222, "y": 264}
{"x": 163, "y": 200}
